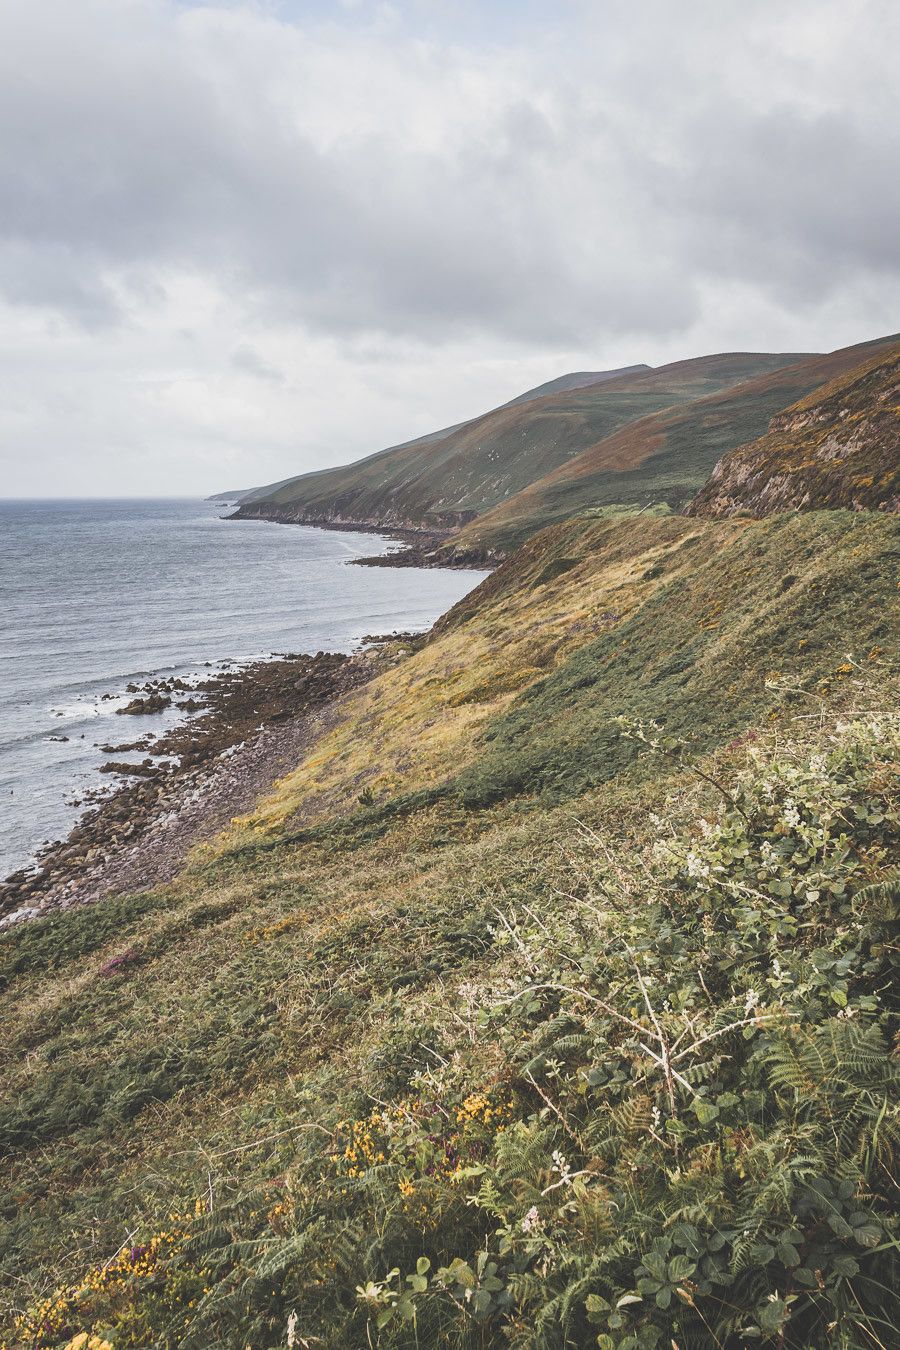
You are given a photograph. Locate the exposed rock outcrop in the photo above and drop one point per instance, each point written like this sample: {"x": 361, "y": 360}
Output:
{"x": 838, "y": 447}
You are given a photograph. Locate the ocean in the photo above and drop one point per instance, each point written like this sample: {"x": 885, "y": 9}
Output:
{"x": 97, "y": 594}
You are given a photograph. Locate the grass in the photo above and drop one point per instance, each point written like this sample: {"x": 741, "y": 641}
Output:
{"x": 331, "y": 989}
{"x": 518, "y": 691}
{"x": 193, "y": 1051}
{"x": 419, "y": 723}
{"x": 779, "y": 601}
{"x": 662, "y": 458}
{"x": 445, "y": 479}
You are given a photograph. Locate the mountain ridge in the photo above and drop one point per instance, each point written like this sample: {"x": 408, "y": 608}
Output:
{"x": 445, "y": 480}
{"x": 573, "y": 380}
{"x": 665, "y": 457}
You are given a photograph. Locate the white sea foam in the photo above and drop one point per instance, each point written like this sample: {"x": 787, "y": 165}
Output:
{"x": 97, "y": 595}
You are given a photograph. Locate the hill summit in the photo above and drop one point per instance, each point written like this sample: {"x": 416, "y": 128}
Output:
{"x": 633, "y": 437}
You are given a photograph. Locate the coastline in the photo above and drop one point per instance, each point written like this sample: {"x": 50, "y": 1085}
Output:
{"x": 252, "y": 726}
{"x": 422, "y": 547}
{"x": 160, "y": 790}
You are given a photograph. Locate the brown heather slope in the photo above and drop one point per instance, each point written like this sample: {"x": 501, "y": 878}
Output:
{"x": 445, "y": 480}
{"x": 662, "y": 458}
{"x": 838, "y": 447}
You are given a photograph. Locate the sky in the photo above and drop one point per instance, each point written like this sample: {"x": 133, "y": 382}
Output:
{"x": 245, "y": 239}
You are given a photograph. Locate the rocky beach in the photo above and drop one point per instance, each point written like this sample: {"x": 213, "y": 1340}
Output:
{"x": 419, "y": 547}
{"x": 243, "y": 728}
{"x": 137, "y": 649}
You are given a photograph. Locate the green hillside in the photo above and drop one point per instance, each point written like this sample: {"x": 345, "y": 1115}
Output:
{"x": 548, "y": 1002}
{"x": 447, "y": 478}
{"x": 664, "y": 458}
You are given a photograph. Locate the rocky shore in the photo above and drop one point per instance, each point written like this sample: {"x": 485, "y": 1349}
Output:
{"x": 420, "y": 547}
{"x": 253, "y": 727}
{"x": 427, "y": 550}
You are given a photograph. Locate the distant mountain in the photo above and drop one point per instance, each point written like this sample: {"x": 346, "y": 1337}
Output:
{"x": 579, "y": 379}
{"x": 448, "y": 478}
{"x": 663, "y": 458}
{"x": 840, "y": 446}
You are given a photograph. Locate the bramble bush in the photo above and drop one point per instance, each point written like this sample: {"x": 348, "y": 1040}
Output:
{"x": 687, "y": 1134}
{"x": 710, "y": 1035}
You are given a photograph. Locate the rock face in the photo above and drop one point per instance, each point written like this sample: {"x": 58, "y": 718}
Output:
{"x": 392, "y": 522}
{"x": 838, "y": 447}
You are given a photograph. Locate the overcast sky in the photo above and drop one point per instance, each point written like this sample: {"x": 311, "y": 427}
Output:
{"x": 240, "y": 240}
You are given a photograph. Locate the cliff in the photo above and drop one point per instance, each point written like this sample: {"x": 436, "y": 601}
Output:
{"x": 840, "y": 446}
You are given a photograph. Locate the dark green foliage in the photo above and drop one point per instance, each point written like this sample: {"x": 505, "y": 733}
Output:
{"x": 556, "y": 568}
{"x": 670, "y": 660}
{"x": 688, "y": 1133}
{"x": 63, "y": 939}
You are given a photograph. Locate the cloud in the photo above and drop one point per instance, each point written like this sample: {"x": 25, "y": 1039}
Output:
{"x": 246, "y": 358}
{"x": 617, "y": 182}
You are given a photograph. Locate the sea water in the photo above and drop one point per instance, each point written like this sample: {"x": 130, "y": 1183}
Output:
{"x": 95, "y": 595}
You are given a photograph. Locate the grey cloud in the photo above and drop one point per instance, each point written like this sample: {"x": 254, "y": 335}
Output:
{"x": 57, "y": 278}
{"x": 248, "y": 360}
{"x": 822, "y": 204}
{"x": 391, "y": 208}
{"x": 140, "y": 138}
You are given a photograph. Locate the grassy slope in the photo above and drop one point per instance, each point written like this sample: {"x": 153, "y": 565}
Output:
{"x": 577, "y": 379}
{"x": 839, "y": 446}
{"x": 482, "y": 462}
{"x": 308, "y": 959}
{"x": 597, "y": 616}
{"x": 665, "y": 457}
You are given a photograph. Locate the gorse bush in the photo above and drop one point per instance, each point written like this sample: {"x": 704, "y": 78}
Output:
{"x": 662, "y": 1113}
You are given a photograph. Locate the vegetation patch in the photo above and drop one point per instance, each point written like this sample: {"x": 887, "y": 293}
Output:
{"x": 549, "y": 1002}
{"x": 656, "y": 1103}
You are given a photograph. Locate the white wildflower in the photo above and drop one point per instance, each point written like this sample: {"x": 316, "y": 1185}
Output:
{"x": 695, "y": 865}
{"x": 531, "y": 1221}
{"x": 562, "y": 1167}
{"x": 791, "y": 815}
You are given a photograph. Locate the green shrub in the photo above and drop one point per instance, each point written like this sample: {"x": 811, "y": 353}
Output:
{"x": 664, "y": 1113}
